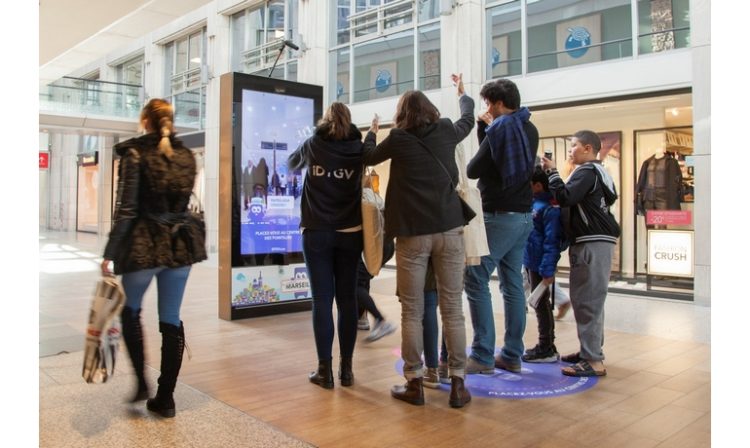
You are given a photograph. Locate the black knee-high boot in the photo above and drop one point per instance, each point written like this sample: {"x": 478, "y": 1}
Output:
{"x": 172, "y": 347}
{"x": 132, "y": 333}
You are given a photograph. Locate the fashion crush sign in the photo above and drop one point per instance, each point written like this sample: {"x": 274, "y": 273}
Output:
{"x": 670, "y": 252}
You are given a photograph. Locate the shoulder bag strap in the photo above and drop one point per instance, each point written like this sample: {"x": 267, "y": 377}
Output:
{"x": 419, "y": 140}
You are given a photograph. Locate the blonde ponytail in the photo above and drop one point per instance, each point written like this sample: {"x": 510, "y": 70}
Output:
{"x": 165, "y": 145}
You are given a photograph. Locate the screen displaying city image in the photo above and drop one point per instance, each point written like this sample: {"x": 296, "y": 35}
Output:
{"x": 273, "y": 126}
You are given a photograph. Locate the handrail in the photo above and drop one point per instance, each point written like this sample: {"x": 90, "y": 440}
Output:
{"x": 378, "y": 18}
{"x": 257, "y": 56}
{"x": 375, "y": 10}
{"x": 83, "y": 89}
{"x": 600, "y": 44}
{"x": 369, "y": 89}
{"x": 96, "y": 81}
{"x": 682, "y": 28}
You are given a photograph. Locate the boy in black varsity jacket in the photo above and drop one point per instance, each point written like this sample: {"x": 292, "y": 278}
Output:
{"x": 593, "y": 232}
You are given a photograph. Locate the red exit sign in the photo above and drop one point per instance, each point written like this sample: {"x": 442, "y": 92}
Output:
{"x": 43, "y": 160}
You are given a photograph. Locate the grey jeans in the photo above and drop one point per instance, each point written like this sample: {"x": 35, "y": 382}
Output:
{"x": 448, "y": 259}
{"x": 590, "y": 267}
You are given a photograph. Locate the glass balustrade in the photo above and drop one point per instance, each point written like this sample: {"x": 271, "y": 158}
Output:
{"x": 76, "y": 96}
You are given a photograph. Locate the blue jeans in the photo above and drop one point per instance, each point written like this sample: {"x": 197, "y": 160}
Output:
{"x": 170, "y": 284}
{"x": 430, "y": 328}
{"x": 506, "y": 236}
{"x": 331, "y": 258}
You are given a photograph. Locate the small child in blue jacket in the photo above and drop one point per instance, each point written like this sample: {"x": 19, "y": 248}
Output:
{"x": 540, "y": 259}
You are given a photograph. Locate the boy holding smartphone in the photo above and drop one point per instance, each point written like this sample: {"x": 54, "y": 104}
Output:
{"x": 589, "y": 193}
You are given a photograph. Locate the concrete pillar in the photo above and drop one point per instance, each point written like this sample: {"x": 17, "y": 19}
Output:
{"x": 700, "y": 43}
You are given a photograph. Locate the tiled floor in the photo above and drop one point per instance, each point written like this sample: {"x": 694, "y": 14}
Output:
{"x": 657, "y": 392}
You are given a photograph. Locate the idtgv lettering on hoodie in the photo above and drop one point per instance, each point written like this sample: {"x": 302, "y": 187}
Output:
{"x": 341, "y": 173}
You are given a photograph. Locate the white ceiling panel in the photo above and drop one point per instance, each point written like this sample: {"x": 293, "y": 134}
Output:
{"x": 75, "y": 33}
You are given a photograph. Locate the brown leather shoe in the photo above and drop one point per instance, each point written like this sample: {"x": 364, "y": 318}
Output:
{"x": 459, "y": 394}
{"x": 411, "y": 392}
{"x": 500, "y": 363}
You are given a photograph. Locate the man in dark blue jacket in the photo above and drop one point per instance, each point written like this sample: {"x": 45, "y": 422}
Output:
{"x": 503, "y": 164}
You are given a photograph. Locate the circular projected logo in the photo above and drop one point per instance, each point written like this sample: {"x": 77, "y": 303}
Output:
{"x": 534, "y": 381}
{"x": 578, "y": 41}
{"x": 383, "y": 80}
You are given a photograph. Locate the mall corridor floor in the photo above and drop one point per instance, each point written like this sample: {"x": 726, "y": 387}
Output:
{"x": 245, "y": 383}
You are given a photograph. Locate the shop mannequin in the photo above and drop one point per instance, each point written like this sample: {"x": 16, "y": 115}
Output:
{"x": 659, "y": 184}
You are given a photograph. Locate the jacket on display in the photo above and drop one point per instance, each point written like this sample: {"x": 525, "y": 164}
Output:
{"x": 588, "y": 193}
{"x": 150, "y": 188}
{"x": 332, "y": 192}
{"x": 420, "y": 199}
{"x": 659, "y": 185}
{"x": 543, "y": 246}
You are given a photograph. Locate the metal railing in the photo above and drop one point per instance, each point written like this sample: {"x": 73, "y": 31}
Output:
{"x": 263, "y": 56}
{"x": 374, "y": 22}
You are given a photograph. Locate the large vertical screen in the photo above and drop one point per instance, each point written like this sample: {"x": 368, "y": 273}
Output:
{"x": 273, "y": 126}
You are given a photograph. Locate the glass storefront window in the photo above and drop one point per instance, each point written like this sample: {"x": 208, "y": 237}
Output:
{"x": 237, "y": 32}
{"x": 572, "y": 32}
{"x": 340, "y": 59}
{"x": 429, "y": 57}
{"x": 663, "y": 25}
{"x": 504, "y": 46}
{"x": 398, "y": 15}
{"x": 379, "y": 38}
{"x": 275, "y": 27}
{"x": 428, "y": 9}
{"x": 257, "y": 37}
{"x": 130, "y": 75}
{"x": 88, "y": 199}
{"x": 187, "y": 109}
{"x": 180, "y": 61}
{"x": 384, "y": 67}
{"x": 185, "y": 58}
{"x": 664, "y": 193}
{"x": 342, "y": 11}
{"x": 255, "y": 28}
{"x": 195, "y": 56}
{"x": 363, "y": 5}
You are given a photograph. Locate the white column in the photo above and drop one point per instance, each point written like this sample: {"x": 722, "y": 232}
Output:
{"x": 700, "y": 42}
{"x": 314, "y": 26}
{"x": 219, "y": 39}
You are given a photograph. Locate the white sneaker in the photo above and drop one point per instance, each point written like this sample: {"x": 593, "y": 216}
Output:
{"x": 363, "y": 323}
{"x": 382, "y": 328}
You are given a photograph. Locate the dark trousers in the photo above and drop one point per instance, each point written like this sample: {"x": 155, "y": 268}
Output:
{"x": 365, "y": 303}
{"x": 545, "y": 319}
{"x": 331, "y": 258}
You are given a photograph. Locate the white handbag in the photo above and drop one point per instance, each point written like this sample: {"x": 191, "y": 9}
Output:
{"x": 103, "y": 331}
{"x": 475, "y": 235}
